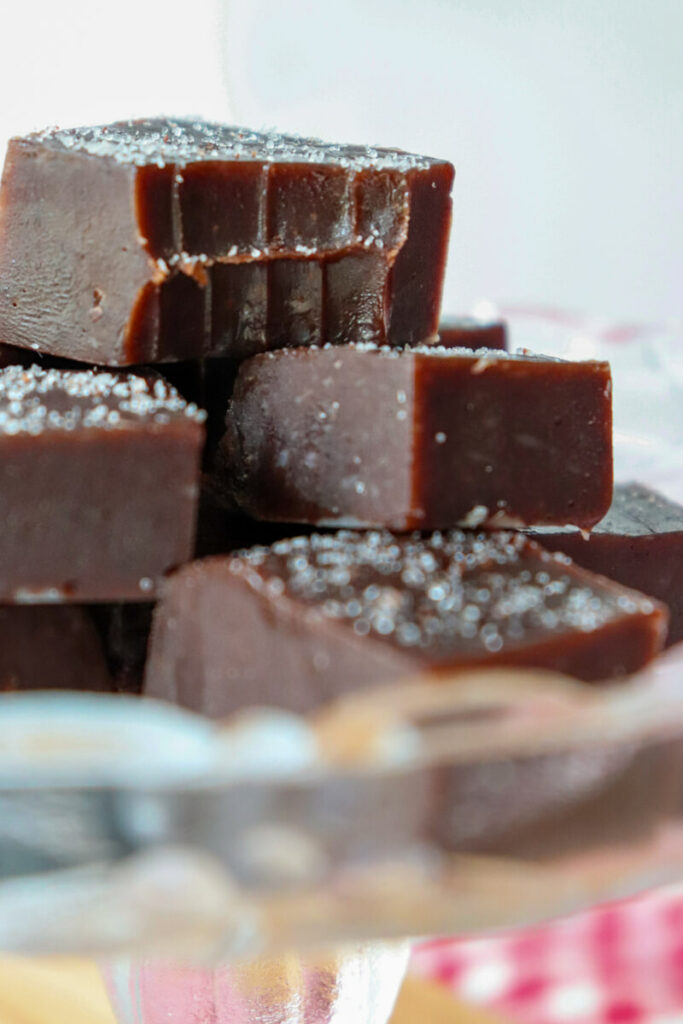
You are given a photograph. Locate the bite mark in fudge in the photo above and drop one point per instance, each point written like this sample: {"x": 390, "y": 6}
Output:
{"x": 301, "y": 622}
{"x": 639, "y": 543}
{"x": 468, "y": 332}
{"x": 99, "y": 482}
{"x": 163, "y": 240}
{"x": 419, "y": 438}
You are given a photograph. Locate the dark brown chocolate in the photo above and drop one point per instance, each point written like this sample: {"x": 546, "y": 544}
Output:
{"x": 208, "y": 384}
{"x": 468, "y": 332}
{"x": 222, "y": 530}
{"x": 124, "y": 632}
{"x": 544, "y": 805}
{"x": 11, "y": 355}
{"x": 49, "y": 647}
{"x": 97, "y": 647}
{"x": 419, "y": 438}
{"x": 639, "y": 543}
{"x": 307, "y": 619}
{"x": 99, "y": 482}
{"x": 166, "y": 240}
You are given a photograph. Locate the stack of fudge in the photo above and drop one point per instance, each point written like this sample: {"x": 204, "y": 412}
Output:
{"x": 241, "y": 462}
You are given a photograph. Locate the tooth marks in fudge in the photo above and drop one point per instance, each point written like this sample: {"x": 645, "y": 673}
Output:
{"x": 174, "y": 199}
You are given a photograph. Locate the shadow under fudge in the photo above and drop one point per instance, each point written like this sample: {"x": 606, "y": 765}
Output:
{"x": 96, "y": 647}
{"x": 169, "y": 239}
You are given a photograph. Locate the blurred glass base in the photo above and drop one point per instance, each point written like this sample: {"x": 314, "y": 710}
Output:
{"x": 356, "y": 986}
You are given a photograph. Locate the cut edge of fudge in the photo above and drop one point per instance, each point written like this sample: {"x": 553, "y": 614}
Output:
{"x": 141, "y": 297}
{"x": 343, "y": 444}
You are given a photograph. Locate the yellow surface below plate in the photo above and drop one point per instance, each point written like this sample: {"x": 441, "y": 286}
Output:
{"x": 69, "y": 991}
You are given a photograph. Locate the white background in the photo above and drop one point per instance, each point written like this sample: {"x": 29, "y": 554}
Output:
{"x": 564, "y": 118}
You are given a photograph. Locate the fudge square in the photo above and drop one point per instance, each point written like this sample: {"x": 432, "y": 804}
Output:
{"x": 639, "y": 543}
{"x": 304, "y": 620}
{"x": 99, "y": 482}
{"x": 419, "y": 438}
{"x": 159, "y": 240}
{"x": 470, "y": 332}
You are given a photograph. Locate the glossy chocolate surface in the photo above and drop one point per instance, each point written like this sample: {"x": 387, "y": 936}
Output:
{"x": 166, "y": 240}
{"x": 299, "y": 622}
{"x": 99, "y": 481}
{"x": 424, "y": 437}
{"x": 639, "y": 543}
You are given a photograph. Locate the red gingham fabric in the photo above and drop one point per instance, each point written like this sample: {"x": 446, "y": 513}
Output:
{"x": 619, "y": 964}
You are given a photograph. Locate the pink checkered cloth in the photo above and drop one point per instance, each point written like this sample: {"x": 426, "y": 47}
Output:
{"x": 619, "y": 964}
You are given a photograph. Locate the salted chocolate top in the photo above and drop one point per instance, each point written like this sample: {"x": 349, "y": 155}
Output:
{"x": 477, "y": 593}
{"x": 181, "y": 140}
{"x": 307, "y": 619}
{"x": 36, "y": 401}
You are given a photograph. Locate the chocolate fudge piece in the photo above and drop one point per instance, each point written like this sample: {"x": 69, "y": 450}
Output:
{"x": 420, "y": 438}
{"x": 50, "y": 647}
{"x": 468, "y": 332}
{"x": 545, "y": 805}
{"x": 99, "y": 481}
{"x": 639, "y": 543}
{"x": 306, "y": 619}
{"x": 162, "y": 240}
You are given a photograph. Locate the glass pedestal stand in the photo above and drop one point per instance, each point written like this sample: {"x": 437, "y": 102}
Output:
{"x": 356, "y": 985}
